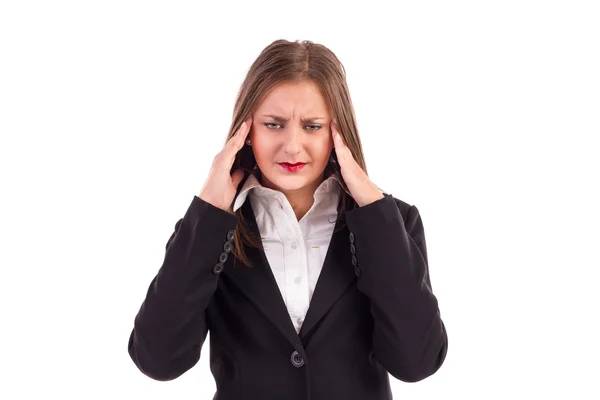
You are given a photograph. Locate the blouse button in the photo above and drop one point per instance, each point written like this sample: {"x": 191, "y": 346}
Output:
{"x": 351, "y": 237}
{"x": 352, "y": 248}
{"x": 294, "y": 245}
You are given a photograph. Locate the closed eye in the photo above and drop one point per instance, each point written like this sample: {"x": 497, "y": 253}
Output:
{"x": 312, "y": 127}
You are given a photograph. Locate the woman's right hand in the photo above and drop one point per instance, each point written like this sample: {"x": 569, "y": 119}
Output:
{"x": 220, "y": 187}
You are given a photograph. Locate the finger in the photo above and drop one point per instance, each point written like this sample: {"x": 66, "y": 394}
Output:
{"x": 237, "y": 140}
{"x": 341, "y": 149}
{"x": 242, "y": 131}
{"x": 235, "y": 144}
{"x": 335, "y": 132}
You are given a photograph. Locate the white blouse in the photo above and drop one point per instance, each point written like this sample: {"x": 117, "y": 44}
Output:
{"x": 295, "y": 249}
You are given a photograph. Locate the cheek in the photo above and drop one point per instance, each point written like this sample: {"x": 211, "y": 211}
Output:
{"x": 325, "y": 148}
{"x": 262, "y": 147}
{"x": 320, "y": 154}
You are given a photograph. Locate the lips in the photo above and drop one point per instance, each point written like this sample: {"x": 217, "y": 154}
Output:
{"x": 292, "y": 167}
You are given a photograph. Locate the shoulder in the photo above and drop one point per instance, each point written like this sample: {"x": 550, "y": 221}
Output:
{"x": 388, "y": 205}
{"x": 411, "y": 216}
{"x": 403, "y": 206}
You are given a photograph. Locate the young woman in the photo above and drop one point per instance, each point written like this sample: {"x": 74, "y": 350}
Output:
{"x": 313, "y": 282}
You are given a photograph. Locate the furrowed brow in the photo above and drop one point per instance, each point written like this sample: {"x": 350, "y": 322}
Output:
{"x": 281, "y": 119}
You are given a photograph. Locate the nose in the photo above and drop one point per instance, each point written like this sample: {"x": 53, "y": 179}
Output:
{"x": 292, "y": 141}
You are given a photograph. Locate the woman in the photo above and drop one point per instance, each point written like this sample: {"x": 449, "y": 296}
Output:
{"x": 313, "y": 283}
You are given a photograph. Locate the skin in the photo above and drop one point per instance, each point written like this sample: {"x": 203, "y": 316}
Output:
{"x": 274, "y": 141}
{"x": 309, "y": 135}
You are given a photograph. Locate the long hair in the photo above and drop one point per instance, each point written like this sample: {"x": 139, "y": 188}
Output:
{"x": 284, "y": 61}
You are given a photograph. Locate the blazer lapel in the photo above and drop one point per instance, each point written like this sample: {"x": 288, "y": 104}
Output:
{"x": 336, "y": 276}
{"x": 259, "y": 285}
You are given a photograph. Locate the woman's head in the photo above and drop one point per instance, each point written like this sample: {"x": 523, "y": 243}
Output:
{"x": 291, "y": 125}
{"x": 294, "y": 80}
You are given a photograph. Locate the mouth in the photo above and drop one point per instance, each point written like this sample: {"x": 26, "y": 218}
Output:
{"x": 295, "y": 167}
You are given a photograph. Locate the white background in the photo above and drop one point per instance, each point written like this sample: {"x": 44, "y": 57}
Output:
{"x": 484, "y": 114}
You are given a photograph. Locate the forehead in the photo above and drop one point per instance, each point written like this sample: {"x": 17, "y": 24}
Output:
{"x": 287, "y": 97}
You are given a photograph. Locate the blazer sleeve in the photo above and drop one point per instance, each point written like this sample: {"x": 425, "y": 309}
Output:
{"x": 409, "y": 338}
{"x": 170, "y": 327}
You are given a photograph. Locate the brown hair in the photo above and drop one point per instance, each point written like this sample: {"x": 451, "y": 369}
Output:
{"x": 285, "y": 61}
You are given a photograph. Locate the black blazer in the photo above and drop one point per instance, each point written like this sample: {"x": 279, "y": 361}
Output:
{"x": 372, "y": 311}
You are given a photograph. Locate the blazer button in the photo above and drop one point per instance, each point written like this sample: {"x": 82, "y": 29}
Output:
{"x": 218, "y": 268}
{"x": 227, "y": 246}
{"x": 354, "y": 260}
{"x": 352, "y": 249}
{"x": 223, "y": 258}
{"x": 230, "y": 235}
{"x": 357, "y": 271}
{"x": 297, "y": 360}
{"x": 351, "y": 237}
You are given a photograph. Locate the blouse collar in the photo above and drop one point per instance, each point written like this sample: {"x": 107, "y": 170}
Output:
{"x": 329, "y": 185}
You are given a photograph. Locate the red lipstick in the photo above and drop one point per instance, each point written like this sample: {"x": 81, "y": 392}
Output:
{"x": 292, "y": 167}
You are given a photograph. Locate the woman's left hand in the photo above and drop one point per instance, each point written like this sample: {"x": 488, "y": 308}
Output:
{"x": 361, "y": 188}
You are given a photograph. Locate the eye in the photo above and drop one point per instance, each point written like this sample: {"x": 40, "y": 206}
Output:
{"x": 312, "y": 127}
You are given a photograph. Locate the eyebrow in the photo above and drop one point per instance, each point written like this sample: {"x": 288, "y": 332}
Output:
{"x": 281, "y": 119}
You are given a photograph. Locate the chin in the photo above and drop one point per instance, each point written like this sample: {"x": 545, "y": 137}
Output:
{"x": 289, "y": 182}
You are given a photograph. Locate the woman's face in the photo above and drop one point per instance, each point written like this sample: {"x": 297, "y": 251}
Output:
{"x": 301, "y": 134}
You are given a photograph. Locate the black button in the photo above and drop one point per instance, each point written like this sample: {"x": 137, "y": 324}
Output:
{"x": 351, "y": 237}
{"x": 230, "y": 234}
{"x": 227, "y": 246}
{"x": 354, "y": 260}
{"x": 352, "y": 248}
{"x": 357, "y": 271}
{"x": 218, "y": 268}
{"x": 297, "y": 360}
{"x": 223, "y": 258}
